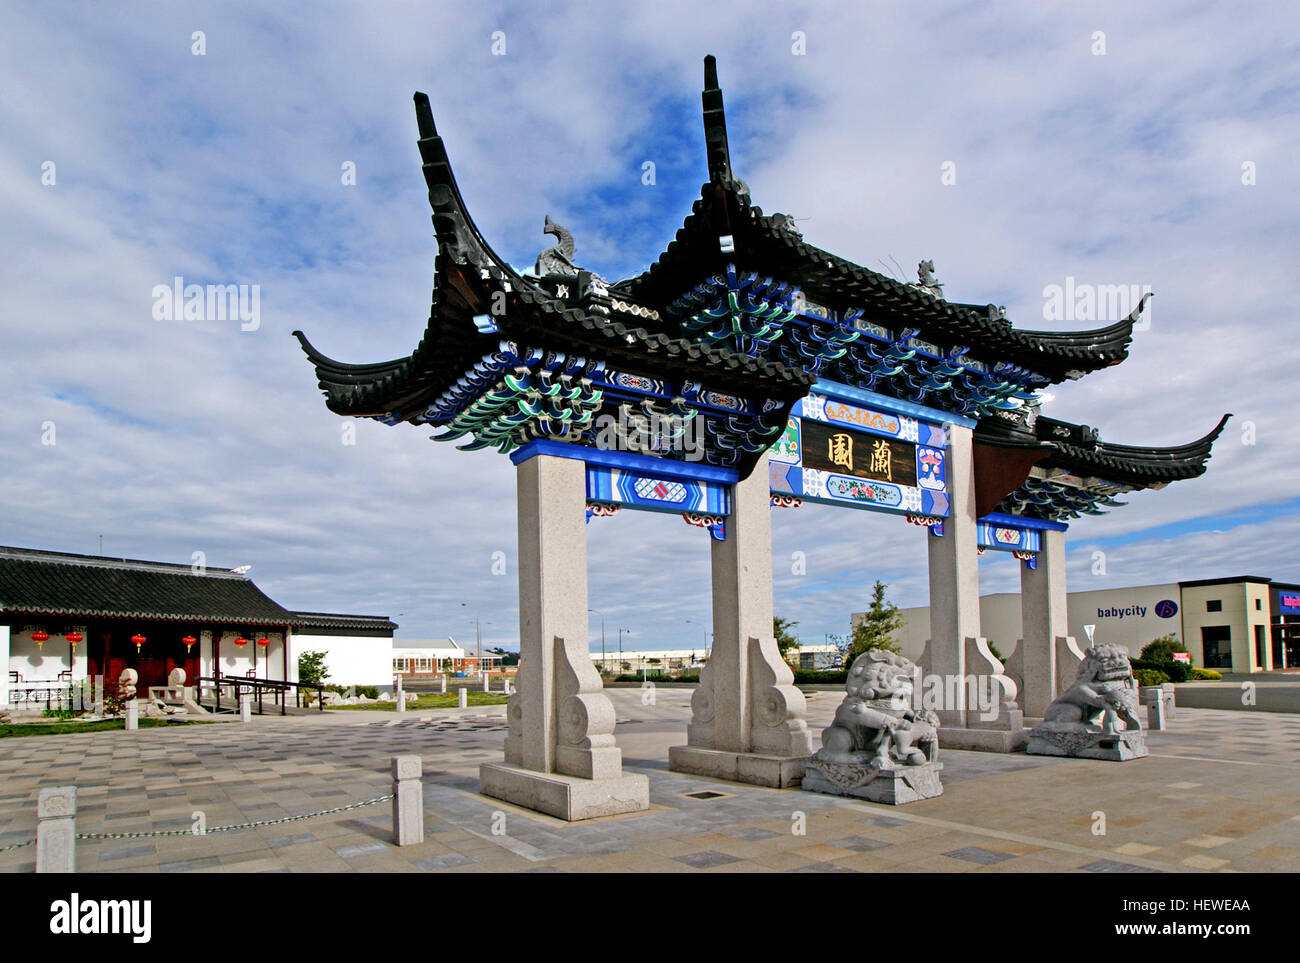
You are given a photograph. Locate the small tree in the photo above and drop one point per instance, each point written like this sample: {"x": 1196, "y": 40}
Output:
{"x": 1162, "y": 649}
{"x": 786, "y": 643}
{"x": 311, "y": 668}
{"x": 879, "y": 624}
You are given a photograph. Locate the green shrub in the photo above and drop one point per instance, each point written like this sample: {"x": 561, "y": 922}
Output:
{"x": 820, "y": 676}
{"x": 1146, "y": 677}
{"x": 1161, "y": 649}
{"x": 1177, "y": 671}
{"x": 1207, "y": 675}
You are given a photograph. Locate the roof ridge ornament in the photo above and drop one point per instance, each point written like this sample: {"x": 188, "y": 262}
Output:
{"x": 557, "y": 260}
{"x": 926, "y": 281}
{"x": 715, "y": 125}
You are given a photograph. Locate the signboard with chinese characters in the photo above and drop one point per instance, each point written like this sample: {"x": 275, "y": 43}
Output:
{"x": 850, "y": 453}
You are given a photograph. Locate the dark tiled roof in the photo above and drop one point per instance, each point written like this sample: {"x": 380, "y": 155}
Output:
{"x": 1138, "y": 465}
{"x": 1076, "y": 449}
{"x": 768, "y": 245}
{"x": 64, "y": 584}
{"x": 468, "y": 276}
{"x": 328, "y": 620}
{"x": 52, "y": 583}
{"x": 771, "y": 248}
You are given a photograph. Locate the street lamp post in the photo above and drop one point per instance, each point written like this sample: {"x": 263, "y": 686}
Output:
{"x": 478, "y": 639}
{"x": 620, "y": 645}
{"x": 603, "y": 667}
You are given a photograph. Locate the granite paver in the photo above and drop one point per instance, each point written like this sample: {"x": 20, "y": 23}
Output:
{"x": 1219, "y": 792}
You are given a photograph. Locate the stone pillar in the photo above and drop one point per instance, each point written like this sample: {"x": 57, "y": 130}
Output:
{"x": 1043, "y": 620}
{"x": 408, "y": 801}
{"x": 398, "y": 694}
{"x": 132, "y": 714}
{"x": 954, "y": 579}
{"x": 245, "y": 707}
{"x": 487, "y": 683}
{"x": 56, "y": 833}
{"x": 99, "y": 696}
{"x": 444, "y": 683}
{"x": 1156, "y": 714}
{"x": 462, "y": 697}
{"x": 560, "y": 755}
{"x": 747, "y": 718}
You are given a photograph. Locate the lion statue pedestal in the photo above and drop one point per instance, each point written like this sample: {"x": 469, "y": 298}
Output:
{"x": 1096, "y": 718}
{"x": 878, "y": 748}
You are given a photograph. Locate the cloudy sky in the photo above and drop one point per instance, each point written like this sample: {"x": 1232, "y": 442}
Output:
{"x": 1114, "y": 143}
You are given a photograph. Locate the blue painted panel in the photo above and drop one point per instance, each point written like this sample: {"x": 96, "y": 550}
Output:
{"x": 655, "y": 493}
{"x": 871, "y": 399}
{"x": 1020, "y": 521}
{"x": 1007, "y": 538}
{"x": 658, "y": 467}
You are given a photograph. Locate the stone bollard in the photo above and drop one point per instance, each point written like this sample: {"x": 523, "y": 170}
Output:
{"x": 1169, "y": 700}
{"x": 99, "y": 695}
{"x": 487, "y": 682}
{"x": 463, "y": 697}
{"x": 444, "y": 684}
{"x": 408, "y": 801}
{"x": 132, "y": 714}
{"x": 1156, "y": 715}
{"x": 246, "y": 708}
{"x": 398, "y": 694}
{"x": 56, "y": 833}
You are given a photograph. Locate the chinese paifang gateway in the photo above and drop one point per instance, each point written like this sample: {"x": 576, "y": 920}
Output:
{"x": 813, "y": 378}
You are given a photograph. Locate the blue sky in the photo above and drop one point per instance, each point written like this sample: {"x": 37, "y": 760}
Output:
{"x": 179, "y": 437}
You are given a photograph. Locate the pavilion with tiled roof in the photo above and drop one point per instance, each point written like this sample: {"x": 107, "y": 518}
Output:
{"x": 65, "y": 616}
{"x": 746, "y": 369}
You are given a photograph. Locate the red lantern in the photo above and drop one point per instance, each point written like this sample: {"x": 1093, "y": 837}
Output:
{"x": 189, "y": 641}
{"x": 264, "y": 642}
{"x": 40, "y": 638}
{"x": 73, "y": 638}
{"x": 139, "y": 640}
{"x": 241, "y": 641}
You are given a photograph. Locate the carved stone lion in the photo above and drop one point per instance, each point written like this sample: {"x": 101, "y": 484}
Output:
{"x": 875, "y": 724}
{"x": 879, "y": 747}
{"x": 1104, "y": 695}
{"x": 1096, "y": 717}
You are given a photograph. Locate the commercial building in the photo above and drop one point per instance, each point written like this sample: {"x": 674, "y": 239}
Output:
{"x": 416, "y": 657}
{"x": 66, "y": 617}
{"x": 1244, "y": 623}
{"x": 677, "y": 660}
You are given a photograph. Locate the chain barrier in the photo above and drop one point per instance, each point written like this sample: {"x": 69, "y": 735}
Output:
{"x": 232, "y": 828}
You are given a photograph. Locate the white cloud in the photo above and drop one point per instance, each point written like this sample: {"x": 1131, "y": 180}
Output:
{"x": 177, "y": 437}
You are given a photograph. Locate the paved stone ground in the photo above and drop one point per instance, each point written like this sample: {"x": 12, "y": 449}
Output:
{"x": 1221, "y": 791}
